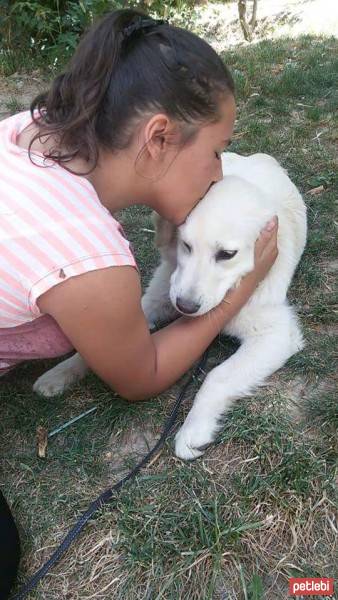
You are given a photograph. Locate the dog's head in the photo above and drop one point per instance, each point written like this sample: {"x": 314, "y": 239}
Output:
{"x": 214, "y": 248}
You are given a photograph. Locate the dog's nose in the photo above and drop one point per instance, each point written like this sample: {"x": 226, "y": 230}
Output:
{"x": 187, "y": 306}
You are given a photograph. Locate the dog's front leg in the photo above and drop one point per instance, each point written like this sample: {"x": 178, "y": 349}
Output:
{"x": 60, "y": 378}
{"x": 156, "y": 303}
{"x": 257, "y": 358}
{"x": 203, "y": 420}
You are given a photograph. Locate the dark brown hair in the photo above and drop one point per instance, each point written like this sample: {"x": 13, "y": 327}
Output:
{"x": 125, "y": 67}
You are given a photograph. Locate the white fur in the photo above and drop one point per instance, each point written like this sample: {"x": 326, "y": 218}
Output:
{"x": 59, "y": 378}
{"x": 230, "y": 217}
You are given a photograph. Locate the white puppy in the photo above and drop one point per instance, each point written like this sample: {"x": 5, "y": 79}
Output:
{"x": 207, "y": 256}
{"x": 201, "y": 261}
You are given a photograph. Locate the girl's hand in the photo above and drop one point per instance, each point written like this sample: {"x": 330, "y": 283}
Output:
{"x": 266, "y": 250}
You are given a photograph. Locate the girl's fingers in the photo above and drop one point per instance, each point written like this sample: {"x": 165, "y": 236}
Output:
{"x": 268, "y": 236}
{"x": 270, "y": 225}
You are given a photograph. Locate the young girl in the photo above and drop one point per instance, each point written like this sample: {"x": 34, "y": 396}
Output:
{"x": 141, "y": 116}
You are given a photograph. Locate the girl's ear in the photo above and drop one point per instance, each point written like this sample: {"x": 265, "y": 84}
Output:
{"x": 160, "y": 134}
{"x": 165, "y": 232}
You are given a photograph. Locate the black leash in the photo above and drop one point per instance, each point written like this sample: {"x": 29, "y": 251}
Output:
{"x": 108, "y": 494}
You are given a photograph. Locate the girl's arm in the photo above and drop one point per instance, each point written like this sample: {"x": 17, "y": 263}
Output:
{"x": 100, "y": 312}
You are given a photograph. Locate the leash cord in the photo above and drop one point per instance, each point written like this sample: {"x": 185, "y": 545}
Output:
{"x": 106, "y": 496}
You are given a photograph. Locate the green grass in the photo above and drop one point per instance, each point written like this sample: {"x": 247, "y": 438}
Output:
{"x": 259, "y": 507}
{"x": 13, "y": 61}
{"x": 14, "y": 106}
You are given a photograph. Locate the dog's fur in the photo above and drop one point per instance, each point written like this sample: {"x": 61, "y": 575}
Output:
{"x": 229, "y": 218}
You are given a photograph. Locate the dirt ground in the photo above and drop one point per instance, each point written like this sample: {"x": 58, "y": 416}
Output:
{"x": 18, "y": 90}
{"x": 220, "y": 25}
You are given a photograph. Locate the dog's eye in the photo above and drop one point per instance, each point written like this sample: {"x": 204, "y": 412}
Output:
{"x": 225, "y": 254}
{"x": 187, "y": 247}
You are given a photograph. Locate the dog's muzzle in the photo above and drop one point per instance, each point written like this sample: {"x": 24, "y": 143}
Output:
{"x": 188, "y": 307}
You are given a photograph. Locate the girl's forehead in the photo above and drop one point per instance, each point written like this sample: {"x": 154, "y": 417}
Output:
{"x": 228, "y": 113}
{"x": 224, "y": 125}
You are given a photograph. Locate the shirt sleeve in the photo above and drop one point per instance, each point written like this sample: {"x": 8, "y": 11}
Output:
{"x": 118, "y": 252}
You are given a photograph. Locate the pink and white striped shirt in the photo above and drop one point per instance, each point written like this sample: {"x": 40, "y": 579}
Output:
{"x": 52, "y": 226}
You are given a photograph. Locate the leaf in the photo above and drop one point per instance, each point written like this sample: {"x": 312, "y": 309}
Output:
{"x": 255, "y": 588}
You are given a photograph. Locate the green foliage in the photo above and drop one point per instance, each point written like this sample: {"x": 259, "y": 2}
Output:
{"x": 52, "y": 28}
{"x": 48, "y": 27}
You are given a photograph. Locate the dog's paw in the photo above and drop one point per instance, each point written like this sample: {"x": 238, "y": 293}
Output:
{"x": 192, "y": 440}
{"x": 60, "y": 378}
{"x": 49, "y": 385}
{"x": 57, "y": 380}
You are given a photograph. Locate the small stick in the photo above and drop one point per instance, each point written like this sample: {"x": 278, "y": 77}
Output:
{"x": 42, "y": 435}
{"x": 62, "y": 427}
{"x": 41, "y": 441}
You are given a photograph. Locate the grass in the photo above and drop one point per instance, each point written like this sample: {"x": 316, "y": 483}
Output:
{"x": 259, "y": 507}
{"x": 18, "y": 60}
{"x": 14, "y": 106}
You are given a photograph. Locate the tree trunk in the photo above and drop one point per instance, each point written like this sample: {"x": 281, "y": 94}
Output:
{"x": 247, "y": 27}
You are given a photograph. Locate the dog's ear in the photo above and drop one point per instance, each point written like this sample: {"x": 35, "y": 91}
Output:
{"x": 165, "y": 232}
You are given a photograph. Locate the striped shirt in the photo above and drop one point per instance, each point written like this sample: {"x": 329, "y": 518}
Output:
{"x": 52, "y": 226}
